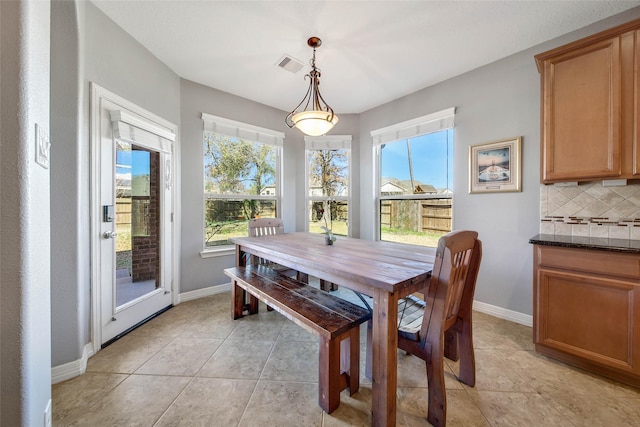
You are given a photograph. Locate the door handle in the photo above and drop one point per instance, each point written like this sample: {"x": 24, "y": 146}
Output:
{"x": 109, "y": 234}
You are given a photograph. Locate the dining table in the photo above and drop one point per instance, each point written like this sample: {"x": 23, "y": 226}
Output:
{"x": 385, "y": 271}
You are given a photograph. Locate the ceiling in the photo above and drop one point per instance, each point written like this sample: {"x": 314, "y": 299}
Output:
{"x": 372, "y": 51}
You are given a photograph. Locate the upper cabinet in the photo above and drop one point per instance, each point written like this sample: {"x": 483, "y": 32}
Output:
{"x": 590, "y": 107}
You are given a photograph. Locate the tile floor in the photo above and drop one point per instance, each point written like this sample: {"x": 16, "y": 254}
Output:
{"x": 194, "y": 366}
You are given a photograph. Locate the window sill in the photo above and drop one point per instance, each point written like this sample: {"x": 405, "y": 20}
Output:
{"x": 221, "y": 251}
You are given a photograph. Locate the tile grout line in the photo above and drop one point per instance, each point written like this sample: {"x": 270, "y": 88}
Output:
{"x": 260, "y": 376}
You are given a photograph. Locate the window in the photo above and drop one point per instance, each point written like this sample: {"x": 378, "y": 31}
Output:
{"x": 327, "y": 167}
{"x": 241, "y": 177}
{"x": 414, "y": 179}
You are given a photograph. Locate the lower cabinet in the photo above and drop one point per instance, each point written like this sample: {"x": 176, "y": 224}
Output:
{"x": 587, "y": 309}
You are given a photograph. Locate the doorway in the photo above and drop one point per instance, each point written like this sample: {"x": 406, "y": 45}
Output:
{"x": 133, "y": 233}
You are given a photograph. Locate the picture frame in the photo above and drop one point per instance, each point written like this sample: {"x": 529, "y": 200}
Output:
{"x": 495, "y": 167}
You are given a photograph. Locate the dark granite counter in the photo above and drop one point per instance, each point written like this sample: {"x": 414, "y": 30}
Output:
{"x": 594, "y": 243}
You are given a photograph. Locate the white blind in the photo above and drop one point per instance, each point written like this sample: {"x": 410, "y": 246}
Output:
{"x": 328, "y": 142}
{"x": 139, "y": 131}
{"x": 415, "y": 127}
{"x": 242, "y": 130}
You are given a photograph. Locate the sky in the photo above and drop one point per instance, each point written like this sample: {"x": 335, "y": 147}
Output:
{"x": 431, "y": 159}
{"x": 138, "y": 161}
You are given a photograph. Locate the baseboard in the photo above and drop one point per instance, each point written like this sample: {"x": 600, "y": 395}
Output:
{"x": 78, "y": 367}
{"x": 72, "y": 369}
{"x": 492, "y": 310}
{"x": 503, "y": 313}
{"x": 204, "y": 292}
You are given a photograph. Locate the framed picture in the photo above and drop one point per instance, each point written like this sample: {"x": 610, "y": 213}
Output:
{"x": 495, "y": 166}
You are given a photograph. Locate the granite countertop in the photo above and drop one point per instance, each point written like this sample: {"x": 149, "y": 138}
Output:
{"x": 594, "y": 243}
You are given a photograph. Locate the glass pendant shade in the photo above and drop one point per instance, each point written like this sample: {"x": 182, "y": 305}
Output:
{"x": 314, "y": 123}
{"x": 313, "y": 116}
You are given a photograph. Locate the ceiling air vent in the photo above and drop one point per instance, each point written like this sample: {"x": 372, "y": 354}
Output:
{"x": 290, "y": 64}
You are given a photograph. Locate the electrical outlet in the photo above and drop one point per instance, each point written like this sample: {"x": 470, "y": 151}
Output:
{"x": 42, "y": 147}
{"x": 47, "y": 415}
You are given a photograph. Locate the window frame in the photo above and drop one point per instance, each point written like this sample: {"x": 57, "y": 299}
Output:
{"x": 251, "y": 133}
{"x": 327, "y": 142}
{"x": 420, "y": 126}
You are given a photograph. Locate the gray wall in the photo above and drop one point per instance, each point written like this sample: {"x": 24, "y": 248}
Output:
{"x": 88, "y": 47}
{"x": 69, "y": 186}
{"x": 497, "y": 101}
{"x": 196, "y": 272}
{"x": 494, "y": 102}
{"x": 25, "y": 371}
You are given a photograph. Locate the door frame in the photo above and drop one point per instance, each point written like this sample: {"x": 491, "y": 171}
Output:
{"x": 99, "y": 93}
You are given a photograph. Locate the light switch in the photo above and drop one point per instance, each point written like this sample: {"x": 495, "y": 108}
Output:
{"x": 42, "y": 147}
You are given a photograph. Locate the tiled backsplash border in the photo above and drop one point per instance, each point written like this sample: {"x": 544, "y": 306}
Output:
{"x": 591, "y": 227}
{"x": 591, "y": 210}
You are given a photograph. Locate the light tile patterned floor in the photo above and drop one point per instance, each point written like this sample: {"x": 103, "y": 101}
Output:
{"x": 194, "y": 366}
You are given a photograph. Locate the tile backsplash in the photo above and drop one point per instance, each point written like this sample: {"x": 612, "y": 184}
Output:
{"x": 591, "y": 210}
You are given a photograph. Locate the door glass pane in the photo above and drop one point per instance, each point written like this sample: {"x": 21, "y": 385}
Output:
{"x": 137, "y": 222}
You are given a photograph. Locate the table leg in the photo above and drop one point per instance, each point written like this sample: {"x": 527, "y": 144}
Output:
{"x": 385, "y": 358}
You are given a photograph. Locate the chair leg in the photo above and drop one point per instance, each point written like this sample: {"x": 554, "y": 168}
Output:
{"x": 437, "y": 411}
{"x": 467, "y": 357}
{"x": 451, "y": 344}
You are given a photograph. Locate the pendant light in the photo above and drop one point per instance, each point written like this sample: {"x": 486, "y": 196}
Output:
{"x": 315, "y": 117}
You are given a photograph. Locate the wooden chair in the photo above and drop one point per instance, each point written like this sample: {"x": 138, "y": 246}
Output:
{"x": 441, "y": 325}
{"x": 259, "y": 227}
{"x": 265, "y": 227}
{"x": 270, "y": 226}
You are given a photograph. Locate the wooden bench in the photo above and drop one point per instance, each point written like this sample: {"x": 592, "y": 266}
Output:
{"x": 335, "y": 321}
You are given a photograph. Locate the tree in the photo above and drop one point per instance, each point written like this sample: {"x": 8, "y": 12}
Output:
{"x": 328, "y": 169}
{"x": 236, "y": 166}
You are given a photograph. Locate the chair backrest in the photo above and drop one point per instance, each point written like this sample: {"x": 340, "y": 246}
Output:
{"x": 265, "y": 227}
{"x": 453, "y": 280}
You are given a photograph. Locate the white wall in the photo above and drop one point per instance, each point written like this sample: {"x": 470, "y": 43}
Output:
{"x": 25, "y": 372}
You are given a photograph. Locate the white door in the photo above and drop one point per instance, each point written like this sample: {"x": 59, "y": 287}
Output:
{"x": 133, "y": 230}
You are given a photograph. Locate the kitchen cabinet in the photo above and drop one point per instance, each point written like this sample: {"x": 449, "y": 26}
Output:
{"x": 589, "y": 107}
{"x": 587, "y": 309}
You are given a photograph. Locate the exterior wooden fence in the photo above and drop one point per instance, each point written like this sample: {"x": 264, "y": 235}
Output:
{"x": 426, "y": 215}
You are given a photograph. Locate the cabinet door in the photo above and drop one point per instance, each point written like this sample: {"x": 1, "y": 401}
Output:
{"x": 593, "y": 318}
{"x": 581, "y": 113}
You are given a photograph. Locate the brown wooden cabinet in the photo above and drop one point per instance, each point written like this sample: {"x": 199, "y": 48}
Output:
{"x": 589, "y": 107}
{"x": 587, "y": 309}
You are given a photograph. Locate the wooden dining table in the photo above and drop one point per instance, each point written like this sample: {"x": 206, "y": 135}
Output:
{"x": 385, "y": 271}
